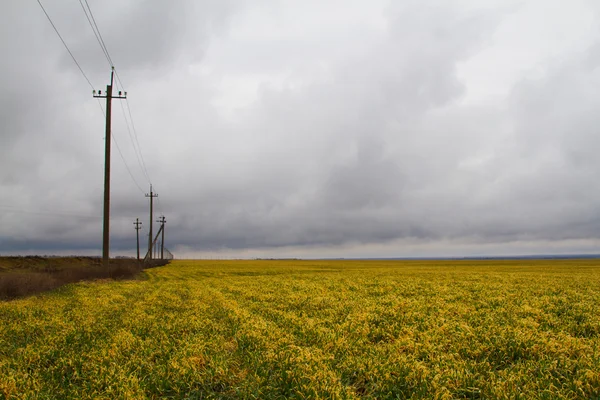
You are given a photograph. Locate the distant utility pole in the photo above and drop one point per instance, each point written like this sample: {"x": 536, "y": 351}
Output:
{"x": 138, "y": 226}
{"x": 108, "y": 96}
{"x": 152, "y": 196}
{"x": 162, "y": 221}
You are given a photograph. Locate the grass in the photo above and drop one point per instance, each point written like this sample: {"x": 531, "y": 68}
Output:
{"x": 25, "y": 276}
{"x": 312, "y": 329}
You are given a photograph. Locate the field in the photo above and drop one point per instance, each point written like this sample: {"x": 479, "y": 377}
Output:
{"x": 312, "y": 329}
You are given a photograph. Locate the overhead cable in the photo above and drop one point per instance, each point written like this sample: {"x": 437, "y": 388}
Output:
{"x": 65, "y": 44}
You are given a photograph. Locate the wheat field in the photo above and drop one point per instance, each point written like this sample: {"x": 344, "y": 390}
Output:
{"x": 312, "y": 329}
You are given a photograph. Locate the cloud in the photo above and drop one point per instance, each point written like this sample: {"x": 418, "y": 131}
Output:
{"x": 307, "y": 128}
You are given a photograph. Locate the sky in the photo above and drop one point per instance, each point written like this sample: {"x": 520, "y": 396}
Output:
{"x": 285, "y": 128}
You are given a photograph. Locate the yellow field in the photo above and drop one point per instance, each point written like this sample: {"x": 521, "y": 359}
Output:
{"x": 312, "y": 329}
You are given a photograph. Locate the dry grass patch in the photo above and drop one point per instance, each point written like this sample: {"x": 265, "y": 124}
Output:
{"x": 19, "y": 279}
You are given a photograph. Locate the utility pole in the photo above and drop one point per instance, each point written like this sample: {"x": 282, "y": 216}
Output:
{"x": 138, "y": 226}
{"x": 152, "y": 196}
{"x": 162, "y": 221}
{"x": 105, "y": 226}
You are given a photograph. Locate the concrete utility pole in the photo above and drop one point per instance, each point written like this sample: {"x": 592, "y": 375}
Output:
{"x": 105, "y": 227}
{"x": 152, "y": 196}
{"x": 138, "y": 226}
{"x": 162, "y": 221}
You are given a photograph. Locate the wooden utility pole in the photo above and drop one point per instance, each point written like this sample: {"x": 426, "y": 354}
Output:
{"x": 138, "y": 226}
{"x": 152, "y": 196}
{"x": 105, "y": 226}
{"x": 162, "y": 221}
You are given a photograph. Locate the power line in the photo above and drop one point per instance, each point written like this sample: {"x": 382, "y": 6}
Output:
{"x": 114, "y": 139}
{"x": 65, "y": 44}
{"x": 138, "y": 152}
{"x": 152, "y": 195}
{"x": 92, "y": 22}
{"x": 132, "y": 141}
{"x": 96, "y": 33}
{"x": 101, "y": 42}
{"x": 159, "y": 206}
{"x": 126, "y": 166}
{"x": 101, "y": 108}
{"x": 139, "y": 148}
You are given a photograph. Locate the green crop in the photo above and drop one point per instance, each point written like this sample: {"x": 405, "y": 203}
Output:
{"x": 312, "y": 329}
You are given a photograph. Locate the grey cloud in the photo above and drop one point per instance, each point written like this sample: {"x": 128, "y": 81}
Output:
{"x": 380, "y": 149}
{"x": 368, "y": 181}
